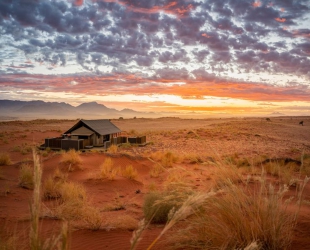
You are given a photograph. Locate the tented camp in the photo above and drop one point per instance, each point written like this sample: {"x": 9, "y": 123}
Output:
{"x": 86, "y": 134}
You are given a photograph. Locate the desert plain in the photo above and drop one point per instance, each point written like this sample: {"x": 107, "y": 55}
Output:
{"x": 193, "y": 156}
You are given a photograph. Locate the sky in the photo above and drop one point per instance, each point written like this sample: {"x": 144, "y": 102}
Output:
{"x": 238, "y": 57}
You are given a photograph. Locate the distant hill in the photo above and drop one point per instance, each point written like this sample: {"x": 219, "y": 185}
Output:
{"x": 61, "y": 110}
{"x": 277, "y": 114}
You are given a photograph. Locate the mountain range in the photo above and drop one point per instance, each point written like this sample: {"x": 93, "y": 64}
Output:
{"x": 12, "y": 110}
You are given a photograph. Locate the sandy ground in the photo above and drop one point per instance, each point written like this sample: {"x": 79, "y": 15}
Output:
{"x": 205, "y": 139}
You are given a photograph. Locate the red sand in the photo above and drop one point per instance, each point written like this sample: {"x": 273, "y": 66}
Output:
{"x": 248, "y": 138}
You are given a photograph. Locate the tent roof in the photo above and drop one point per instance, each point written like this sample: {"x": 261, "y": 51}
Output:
{"x": 82, "y": 131}
{"x": 101, "y": 127}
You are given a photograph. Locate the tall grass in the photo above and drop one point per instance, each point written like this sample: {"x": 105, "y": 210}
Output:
{"x": 236, "y": 216}
{"x": 60, "y": 242}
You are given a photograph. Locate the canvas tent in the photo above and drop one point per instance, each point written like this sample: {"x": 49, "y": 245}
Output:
{"x": 93, "y": 132}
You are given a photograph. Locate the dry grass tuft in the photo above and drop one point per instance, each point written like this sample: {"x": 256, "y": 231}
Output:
{"x": 167, "y": 159}
{"x": 226, "y": 174}
{"x": 5, "y": 159}
{"x": 107, "y": 169}
{"x": 156, "y": 170}
{"x": 237, "y": 218}
{"x": 26, "y": 176}
{"x": 52, "y": 188}
{"x": 72, "y": 159}
{"x": 92, "y": 217}
{"x": 130, "y": 172}
{"x": 157, "y": 205}
{"x": 112, "y": 149}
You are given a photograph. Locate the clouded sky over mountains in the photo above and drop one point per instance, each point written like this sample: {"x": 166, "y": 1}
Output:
{"x": 229, "y": 56}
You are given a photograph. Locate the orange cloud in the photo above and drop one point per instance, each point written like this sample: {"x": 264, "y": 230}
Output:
{"x": 257, "y": 4}
{"x": 170, "y": 8}
{"x": 122, "y": 84}
{"x": 206, "y": 35}
{"x": 301, "y": 33}
{"x": 280, "y": 20}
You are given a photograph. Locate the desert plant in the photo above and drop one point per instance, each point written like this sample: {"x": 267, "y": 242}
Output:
{"x": 72, "y": 201}
{"x": 239, "y": 217}
{"x": 107, "y": 169}
{"x": 112, "y": 149}
{"x": 168, "y": 159}
{"x": 72, "y": 158}
{"x": 156, "y": 170}
{"x": 26, "y": 176}
{"x": 154, "y": 212}
{"x": 92, "y": 217}
{"x": 130, "y": 172}
{"x": 157, "y": 205}
{"x": 226, "y": 174}
{"x": 52, "y": 188}
{"x": 5, "y": 159}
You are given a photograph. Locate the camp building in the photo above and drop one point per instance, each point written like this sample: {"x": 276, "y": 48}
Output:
{"x": 86, "y": 134}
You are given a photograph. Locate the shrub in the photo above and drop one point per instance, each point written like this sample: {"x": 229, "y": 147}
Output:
{"x": 239, "y": 217}
{"x": 52, "y": 188}
{"x": 156, "y": 170}
{"x": 157, "y": 205}
{"x": 130, "y": 172}
{"x": 26, "y": 176}
{"x": 168, "y": 159}
{"x": 71, "y": 158}
{"x": 5, "y": 159}
{"x": 153, "y": 211}
{"x": 107, "y": 169}
{"x": 92, "y": 217}
{"x": 112, "y": 149}
{"x": 72, "y": 201}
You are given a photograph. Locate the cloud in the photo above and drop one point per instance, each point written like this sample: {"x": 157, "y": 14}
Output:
{"x": 141, "y": 47}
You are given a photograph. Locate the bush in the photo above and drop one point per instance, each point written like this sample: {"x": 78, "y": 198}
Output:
{"x": 26, "y": 176}
{"x": 156, "y": 170}
{"x": 52, "y": 188}
{"x": 168, "y": 159}
{"x": 238, "y": 217}
{"x": 5, "y": 159}
{"x": 107, "y": 169}
{"x": 129, "y": 172}
{"x": 112, "y": 149}
{"x": 71, "y": 158}
{"x": 157, "y": 205}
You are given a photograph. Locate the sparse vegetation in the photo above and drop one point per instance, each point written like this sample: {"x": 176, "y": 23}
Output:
{"x": 130, "y": 172}
{"x": 112, "y": 149}
{"x": 26, "y": 176}
{"x": 5, "y": 159}
{"x": 156, "y": 170}
{"x": 108, "y": 170}
{"x": 72, "y": 160}
{"x": 237, "y": 217}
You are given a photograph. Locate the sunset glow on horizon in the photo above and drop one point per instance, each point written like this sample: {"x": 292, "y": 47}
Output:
{"x": 210, "y": 57}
